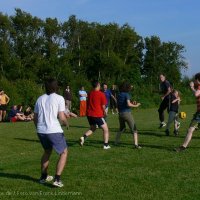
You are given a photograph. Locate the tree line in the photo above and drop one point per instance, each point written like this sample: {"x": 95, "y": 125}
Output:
{"x": 76, "y": 52}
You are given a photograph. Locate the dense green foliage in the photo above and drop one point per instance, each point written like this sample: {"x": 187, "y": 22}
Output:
{"x": 76, "y": 51}
{"x": 152, "y": 173}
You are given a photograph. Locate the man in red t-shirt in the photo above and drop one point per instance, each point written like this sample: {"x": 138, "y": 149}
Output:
{"x": 95, "y": 113}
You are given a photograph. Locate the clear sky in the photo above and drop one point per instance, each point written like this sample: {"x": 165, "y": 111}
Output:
{"x": 171, "y": 20}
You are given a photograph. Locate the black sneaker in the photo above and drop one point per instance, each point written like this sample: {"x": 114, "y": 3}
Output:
{"x": 47, "y": 179}
{"x": 162, "y": 124}
{"x": 137, "y": 147}
{"x": 167, "y": 132}
{"x": 179, "y": 149}
{"x": 175, "y": 132}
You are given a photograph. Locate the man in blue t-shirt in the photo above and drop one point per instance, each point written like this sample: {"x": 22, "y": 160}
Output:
{"x": 108, "y": 95}
{"x": 124, "y": 106}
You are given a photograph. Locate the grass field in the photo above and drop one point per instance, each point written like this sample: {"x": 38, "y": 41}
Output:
{"x": 153, "y": 172}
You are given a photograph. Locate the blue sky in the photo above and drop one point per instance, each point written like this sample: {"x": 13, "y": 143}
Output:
{"x": 171, "y": 20}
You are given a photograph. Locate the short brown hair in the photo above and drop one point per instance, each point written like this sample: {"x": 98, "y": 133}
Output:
{"x": 51, "y": 86}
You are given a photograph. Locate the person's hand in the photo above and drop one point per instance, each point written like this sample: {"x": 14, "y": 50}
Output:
{"x": 134, "y": 102}
{"x": 162, "y": 97}
{"x": 192, "y": 84}
{"x": 138, "y": 104}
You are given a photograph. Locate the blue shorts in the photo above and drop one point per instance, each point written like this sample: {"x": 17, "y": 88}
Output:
{"x": 53, "y": 140}
{"x": 93, "y": 121}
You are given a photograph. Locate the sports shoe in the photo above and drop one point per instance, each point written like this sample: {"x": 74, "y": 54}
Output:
{"x": 106, "y": 147}
{"x": 81, "y": 141}
{"x": 167, "y": 132}
{"x": 179, "y": 149}
{"x": 178, "y": 125}
{"x": 137, "y": 147}
{"x": 58, "y": 184}
{"x": 162, "y": 124}
{"x": 175, "y": 132}
{"x": 48, "y": 179}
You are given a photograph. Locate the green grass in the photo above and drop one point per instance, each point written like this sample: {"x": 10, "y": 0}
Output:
{"x": 154, "y": 172}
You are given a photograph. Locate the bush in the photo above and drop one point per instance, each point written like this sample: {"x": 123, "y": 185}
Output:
{"x": 23, "y": 92}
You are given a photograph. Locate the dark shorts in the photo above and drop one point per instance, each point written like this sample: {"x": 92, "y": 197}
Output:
{"x": 196, "y": 120}
{"x": 113, "y": 104}
{"x": 126, "y": 117}
{"x": 93, "y": 121}
{"x": 3, "y": 107}
{"x": 54, "y": 140}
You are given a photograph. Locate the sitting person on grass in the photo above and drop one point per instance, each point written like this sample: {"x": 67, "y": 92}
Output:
{"x": 29, "y": 113}
{"x": 14, "y": 115}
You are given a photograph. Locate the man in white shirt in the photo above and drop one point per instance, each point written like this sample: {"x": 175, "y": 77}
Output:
{"x": 48, "y": 108}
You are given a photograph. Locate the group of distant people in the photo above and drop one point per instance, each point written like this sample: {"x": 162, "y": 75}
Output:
{"x": 111, "y": 95}
{"x": 98, "y": 109}
{"x": 111, "y": 100}
{"x": 16, "y": 112}
{"x": 171, "y": 100}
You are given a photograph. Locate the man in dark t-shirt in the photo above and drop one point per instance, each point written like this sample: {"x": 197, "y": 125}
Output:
{"x": 68, "y": 98}
{"x": 165, "y": 87}
{"x": 113, "y": 103}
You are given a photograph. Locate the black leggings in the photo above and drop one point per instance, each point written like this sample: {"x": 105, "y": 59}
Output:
{"x": 164, "y": 104}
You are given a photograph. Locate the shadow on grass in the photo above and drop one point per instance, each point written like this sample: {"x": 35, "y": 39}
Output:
{"x": 27, "y": 140}
{"x": 78, "y": 126}
{"x": 153, "y": 133}
{"x": 158, "y": 147}
{"x": 69, "y": 142}
{"x": 23, "y": 177}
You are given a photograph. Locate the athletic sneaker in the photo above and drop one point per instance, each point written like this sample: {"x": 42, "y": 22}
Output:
{"x": 48, "y": 179}
{"x": 162, "y": 124}
{"x": 81, "y": 141}
{"x": 179, "y": 149}
{"x": 167, "y": 132}
{"x": 58, "y": 184}
{"x": 175, "y": 132}
{"x": 178, "y": 125}
{"x": 106, "y": 147}
{"x": 137, "y": 147}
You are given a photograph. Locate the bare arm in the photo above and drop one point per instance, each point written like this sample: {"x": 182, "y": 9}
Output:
{"x": 196, "y": 92}
{"x": 62, "y": 118}
{"x": 83, "y": 95}
{"x": 175, "y": 100}
{"x": 7, "y": 99}
{"x": 35, "y": 119}
{"x": 113, "y": 98}
{"x": 104, "y": 109}
{"x": 132, "y": 105}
